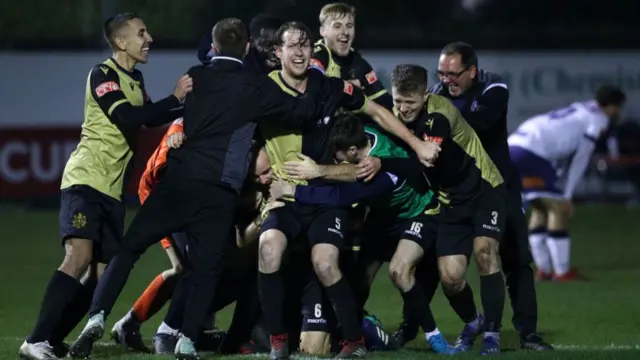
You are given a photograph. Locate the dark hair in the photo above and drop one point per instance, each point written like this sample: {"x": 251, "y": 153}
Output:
{"x": 348, "y": 131}
{"x": 263, "y": 22}
{"x": 467, "y": 53}
{"x": 230, "y": 37}
{"x": 409, "y": 78}
{"x": 610, "y": 95}
{"x": 114, "y": 24}
{"x": 305, "y": 33}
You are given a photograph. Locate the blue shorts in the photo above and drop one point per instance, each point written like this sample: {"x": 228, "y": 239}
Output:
{"x": 539, "y": 177}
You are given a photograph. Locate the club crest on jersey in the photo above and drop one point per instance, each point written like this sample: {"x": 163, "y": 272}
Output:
{"x": 107, "y": 87}
{"x": 79, "y": 221}
{"x": 348, "y": 88}
{"x": 371, "y": 77}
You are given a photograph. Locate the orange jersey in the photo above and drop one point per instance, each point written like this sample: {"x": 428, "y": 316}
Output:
{"x": 155, "y": 165}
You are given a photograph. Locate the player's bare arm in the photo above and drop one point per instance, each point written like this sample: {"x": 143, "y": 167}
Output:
{"x": 427, "y": 151}
{"x": 307, "y": 169}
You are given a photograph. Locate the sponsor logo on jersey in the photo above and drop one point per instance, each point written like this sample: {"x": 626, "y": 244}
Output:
{"x": 433, "y": 139}
{"x": 371, "y": 77}
{"x": 106, "y": 87}
{"x": 348, "y": 88}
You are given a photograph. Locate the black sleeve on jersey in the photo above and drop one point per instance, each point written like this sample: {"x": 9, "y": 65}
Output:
{"x": 409, "y": 168}
{"x": 105, "y": 88}
{"x": 275, "y": 104}
{"x": 147, "y": 99}
{"x": 351, "y": 97}
{"x": 372, "y": 85}
{"x": 437, "y": 126}
{"x": 320, "y": 58}
{"x": 492, "y": 106}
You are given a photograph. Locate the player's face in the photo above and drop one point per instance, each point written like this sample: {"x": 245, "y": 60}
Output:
{"x": 295, "y": 53}
{"x": 265, "y": 44}
{"x": 410, "y": 105}
{"x": 456, "y": 77}
{"x": 135, "y": 40}
{"x": 352, "y": 155}
{"x": 338, "y": 34}
{"x": 263, "y": 168}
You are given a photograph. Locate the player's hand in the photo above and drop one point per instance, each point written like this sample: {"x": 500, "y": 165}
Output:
{"x": 427, "y": 152}
{"x": 356, "y": 83}
{"x": 306, "y": 169}
{"x": 368, "y": 168}
{"x": 183, "y": 87}
{"x": 175, "y": 140}
{"x": 280, "y": 189}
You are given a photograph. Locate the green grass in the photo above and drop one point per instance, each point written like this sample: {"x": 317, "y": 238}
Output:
{"x": 594, "y": 319}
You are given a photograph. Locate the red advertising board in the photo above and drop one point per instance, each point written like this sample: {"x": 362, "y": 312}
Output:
{"x": 32, "y": 159}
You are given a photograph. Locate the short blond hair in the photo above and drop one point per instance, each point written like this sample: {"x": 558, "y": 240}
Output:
{"x": 336, "y": 11}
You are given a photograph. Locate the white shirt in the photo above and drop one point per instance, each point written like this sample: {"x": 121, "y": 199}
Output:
{"x": 556, "y": 135}
{"x": 561, "y": 133}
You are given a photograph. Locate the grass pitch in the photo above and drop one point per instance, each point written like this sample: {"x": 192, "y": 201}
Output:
{"x": 598, "y": 318}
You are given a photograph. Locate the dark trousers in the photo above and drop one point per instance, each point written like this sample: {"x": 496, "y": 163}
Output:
{"x": 205, "y": 212}
{"x": 516, "y": 265}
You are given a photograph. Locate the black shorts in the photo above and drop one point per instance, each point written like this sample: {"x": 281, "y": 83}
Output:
{"x": 319, "y": 224}
{"x": 459, "y": 224}
{"x": 514, "y": 247}
{"x": 382, "y": 234}
{"x": 89, "y": 214}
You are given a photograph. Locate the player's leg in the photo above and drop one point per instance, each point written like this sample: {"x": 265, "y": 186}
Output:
{"x": 325, "y": 234}
{"x": 548, "y": 227}
{"x": 162, "y": 214}
{"x": 81, "y": 217}
{"x": 416, "y": 235}
{"x": 279, "y": 226}
{"x": 76, "y": 309}
{"x": 489, "y": 225}
{"x": 209, "y": 229}
{"x": 516, "y": 259}
{"x": 126, "y": 331}
{"x": 315, "y": 334}
{"x": 559, "y": 213}
{"x": 538, "y": 234}
{"x": 454, "y": 246}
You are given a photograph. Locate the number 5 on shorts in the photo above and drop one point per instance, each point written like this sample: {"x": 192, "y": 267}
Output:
{"x": 337, "y": 223}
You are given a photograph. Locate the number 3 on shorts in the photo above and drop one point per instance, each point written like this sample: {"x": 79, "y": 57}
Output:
{"x": 494, "y": 218}
{"x": 317, "y": 311}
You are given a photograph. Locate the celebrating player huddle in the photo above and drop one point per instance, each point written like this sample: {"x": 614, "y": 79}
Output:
{"x": 292, "y": 161}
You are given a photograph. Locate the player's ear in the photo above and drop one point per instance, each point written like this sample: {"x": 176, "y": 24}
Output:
{"x": 247, "y": 48}
{"x": 352, "y": 151}
{"x": 473, "y": 70}
{"x": 120, "y": 43}
{"x": 279, "y": 52}
{"x": 322, "y": 30}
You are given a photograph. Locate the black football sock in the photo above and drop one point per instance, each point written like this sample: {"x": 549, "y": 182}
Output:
{"x": 522, "y": 291}
{"x": 271, "y": 290}
{"x": 492, "y": 293}
{"x": 346, "y": 310}
{"x": 112, "y": 282}
{"x": 416, "y": 307}
{"x": 462, "y": 303}
{"x": 59, "y": 293}
{"x": 74, "y": 313}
